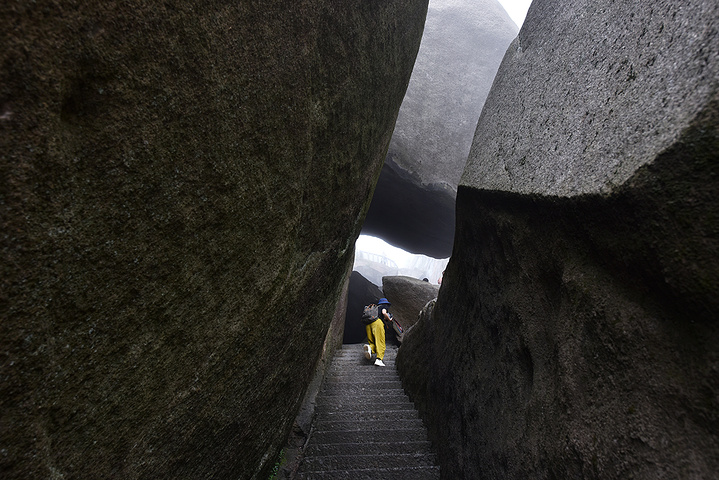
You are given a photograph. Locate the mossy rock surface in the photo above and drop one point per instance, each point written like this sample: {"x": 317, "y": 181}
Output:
{"x": 182, "y": 187}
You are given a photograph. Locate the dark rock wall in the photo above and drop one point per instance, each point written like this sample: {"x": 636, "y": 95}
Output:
{"x": 575, "y": 334}
{"x": 361, "y": 292}
{"x": 181, "y": 189}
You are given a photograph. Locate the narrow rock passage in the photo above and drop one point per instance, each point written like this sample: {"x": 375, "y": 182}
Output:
{"x": 365, "y": 426}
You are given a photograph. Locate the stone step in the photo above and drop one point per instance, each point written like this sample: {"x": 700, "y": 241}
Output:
{"x": 336, "y": 403}
{"x": 326, "y": 449}
{"x": 358, "y": 347}
{"x": 358, "y": 354}
{"x": 376, "y": 436}
{"x": 349, "y": 376}
{"x": 368, "y": 402}
{"x": 363, "y": 378}
{"x": 365, "y": 426}
{"x": 398, "y": 410}
{"x": 358, "y": 358}
{"x": 403, "y": 473}
{"x": 353, "y": 387}
{"x": 368, "y": 425}
{"x": 377, "y": 460}
{"x": 366, "y": 370}
{"x": 360, "y": 378}
{"x": 367, "y": 415}
{"x": 367, "y": 395}
{"x": 365, "y": 366}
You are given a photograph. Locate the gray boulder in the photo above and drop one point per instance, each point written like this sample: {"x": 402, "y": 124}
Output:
{"x": 408, "y": 296}
{"x": 575, "y": 334}
{"x": 182, "y": 186}
{"x": 462, "y": 46}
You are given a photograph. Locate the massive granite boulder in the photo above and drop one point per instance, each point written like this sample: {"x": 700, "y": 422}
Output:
{"x": 576, "y": 333}
{"x": 182, "y": 185}
{"x": 462, "y": 47}
{"x": 408, "y": 296}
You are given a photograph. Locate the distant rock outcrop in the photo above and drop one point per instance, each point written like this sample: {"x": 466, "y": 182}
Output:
{"x": 462, "y": 46}
{"x": 361, "y": 292}
{"x": 576, "y": 333}
{"x": 408, "y": 296}
{"x": 182, "y": 184}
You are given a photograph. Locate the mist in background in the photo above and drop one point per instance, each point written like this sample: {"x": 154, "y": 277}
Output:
{"x": 375, "y": 258}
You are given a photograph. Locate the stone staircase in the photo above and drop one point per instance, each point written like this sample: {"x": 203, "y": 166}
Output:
{"x": 365, "y": 427}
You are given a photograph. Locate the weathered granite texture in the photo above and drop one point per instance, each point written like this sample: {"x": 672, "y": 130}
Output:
{"x": 462, "y": 46}
{"x": 576, "y": 334}
{"x": 589, "y": 92}
{"x": 182, "y": 184}
{"x": 408, "y": 296}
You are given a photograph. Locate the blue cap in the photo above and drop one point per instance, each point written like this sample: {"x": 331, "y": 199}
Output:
{"x": 383, "y": 301}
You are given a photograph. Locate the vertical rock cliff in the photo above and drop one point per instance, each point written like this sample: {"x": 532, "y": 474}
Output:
{"x": 182, "y": 185}
{"x": 575, "y": 334}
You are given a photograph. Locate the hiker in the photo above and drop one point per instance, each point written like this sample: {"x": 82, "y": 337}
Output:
{"x": 375, "y": 333}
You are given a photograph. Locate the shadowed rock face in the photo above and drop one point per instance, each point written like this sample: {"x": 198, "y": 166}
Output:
{"x": 575, "y": 333}
{"x": 462, "y": 46}
{"x": 361, "y": 292}
{"x": 182, "y": 187}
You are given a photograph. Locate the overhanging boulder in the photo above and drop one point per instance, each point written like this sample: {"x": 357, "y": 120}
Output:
{"x": 462, "y": 46}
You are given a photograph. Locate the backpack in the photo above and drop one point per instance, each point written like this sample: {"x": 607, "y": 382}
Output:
{"x": 370, "y": 314}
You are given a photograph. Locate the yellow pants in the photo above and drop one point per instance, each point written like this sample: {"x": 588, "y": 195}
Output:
{"x": 375, "y": 335}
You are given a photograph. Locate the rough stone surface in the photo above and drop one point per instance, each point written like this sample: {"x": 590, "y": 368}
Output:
{"x": 365, "y": 427}
{"x": 462, "y": 47}
{"x": 636, "y": 80}
{"x": 361, "y": 292}
{"x": 408, "y": 296}
{"x": 182, "y": 184}
{"x": 290, "y": 456}
{"x": 575, "y": 334}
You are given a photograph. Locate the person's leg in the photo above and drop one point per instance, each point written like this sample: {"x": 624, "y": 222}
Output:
{"x": 371, "y": 341}
{"x": 377, "y": 330}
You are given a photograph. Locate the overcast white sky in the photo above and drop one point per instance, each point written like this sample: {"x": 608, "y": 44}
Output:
{"x": 517, "y": 9}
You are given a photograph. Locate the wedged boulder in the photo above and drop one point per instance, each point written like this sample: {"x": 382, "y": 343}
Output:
{"x": 182, "y": 186}
{"x": 576, "y": 333}
{"x": 361, "y": 292}
{"x": 408, "y": 296}
{"x": 462, "y": 46}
